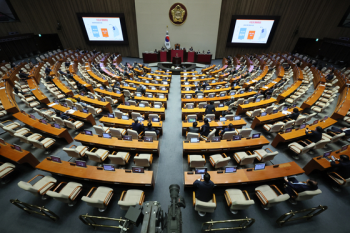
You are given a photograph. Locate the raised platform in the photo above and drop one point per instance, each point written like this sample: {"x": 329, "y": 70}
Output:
{"x": 176, "y": 69}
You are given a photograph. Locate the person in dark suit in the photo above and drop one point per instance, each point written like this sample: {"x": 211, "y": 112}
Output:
{"x": 199, "y": 91}
{"x": 67, "y": 64}
{"x": 314, "y": 135}
{"x": 226, "y": 112}
{"x": 137, "y": 126}
{"x": 47, "y": 70}
{"x": 338, "y": 131}
{"x": 150, "y": 128}
{"x": 269, "y": 91}
{"x": 330, "y": 77}
{"x": 204, "y": 190}
{"x": 23, "y": 75}
{"x": 292, "y": 183}
{"x": 210, "y": 108}
{"x": 48, "y": 78}
{"x": 190, "y": 49}
{"x": 227, "y": 129}
{"x": 294, "y": 115}
{"x": 205, "y": 129}
{"x": 342, "y": 167}
{"x": 140, "y": 89}
{"x": 257, "y": 94}
{"x": 194, "y": 128}
{"x": 204, "y": 85}
{"x": 62, "y": 115}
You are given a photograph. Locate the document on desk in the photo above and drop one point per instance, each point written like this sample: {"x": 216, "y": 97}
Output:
{"x": 286, "y": 112}
{"x": 70, "y": 111}
{"x": 50, "y": 105}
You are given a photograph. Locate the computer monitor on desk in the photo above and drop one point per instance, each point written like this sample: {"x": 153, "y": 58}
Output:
{"x": 108, "y": 167}
{"x": 237, "y": 118}
{"x": 344, "y": 148}
{"x": 230, "y": 169}
{"x": 127, "y": 137}
{"x": 288, "y": 130}
{"x": 263, "y": 113}
{"x": 237, "y": 137}
{"x": 88, "y": 132}
{"x": 216, "y": 139}
{"x": 56, "y": 159}
{"x": 191, "y": 120}
{"x": 106, "y": 135}
{"x": 194, "y": 140}
{"x": 57, "y": 126}
{"x": 138, "y": 169}
{"x": 80, "y": 163}
{"x": 110, "y": 115}
{"x": 256, "y": 135}
{"x": 326, "y": 154}
{"x": 200, "y": 170}
{"x": 124, "y": 117}
{"x": 222, "y": 118}
{"x": 259, "y": 166}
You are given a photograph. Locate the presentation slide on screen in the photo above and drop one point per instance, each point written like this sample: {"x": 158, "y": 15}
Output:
{"x": 252, "y": 31}
{"x": 103, "y": 29}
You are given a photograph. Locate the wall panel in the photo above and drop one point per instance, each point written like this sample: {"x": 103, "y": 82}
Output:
{"x": 312, "y": 19}
{"x": 40, "y": 17}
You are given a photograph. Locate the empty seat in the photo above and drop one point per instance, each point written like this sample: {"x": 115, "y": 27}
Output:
{"x": 94, "y": 111}
{"x": 100, "y": 130}
{"x": 68, "y": 193}
{"x": 274, "y": 128}
{"x": 265, "y": 155}
{"x": 191, "y": 117}
{"x": 143, "y": 160}
{"x": 134, "y": 134}
{"x": 242, "y": 158}
{"x": 40, "y": 187}
{"x": 237, "y": 199}
{"x": 196, "y": 161}
{"x": 120, "y": 158}
{"x": 244, "y": 132}
{"x": 117, "y": 132}
{"x": 270, "y": 195}
{"x": 45, "y": 143}
{"x": 300, "y": 147}
{"x": 97, "y": 155}
{"x": 219, "y": 160}
{"x": 73, "y": 124}
{"x": 192, "y": 135}
{"x": 100, "y": 197}
{"x": 204, "y": 207}
{"x": 254, "y": 113}
{"x": 131, "y": 197}
{"x": 76, "y": 151}
{"x": 5, "y": 170}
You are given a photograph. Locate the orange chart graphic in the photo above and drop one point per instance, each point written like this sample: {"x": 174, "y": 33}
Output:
{"x": 104, "y": 32}
{"x": 251, "y": 35}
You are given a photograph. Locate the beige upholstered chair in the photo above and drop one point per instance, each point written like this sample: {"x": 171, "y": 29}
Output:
{"x": 228, "y": 135}
{"x": 244, "y": 132}
{"x": 152, "y": 134}
{"x": 74, "y": 124}
{"x": 131, "y": 197}
{"x": 5, "y": 170}
{"x": 270, "y": 195}
{"x": 21, "y": 134}
{"x": 10, "y": 128}
{"x": 100, "y": 197}
{"x": 237, "y": 199}
{"x": 94, "y": 111}
{"x": 302, "y": 196}
{"x": 117, "y": 132}
{"x": 196, "y": 161}
{"x": 76, "y": 152}
{"x": 191, "y": 117}
{"x": 204, "y": 207}
{"x": 242, "y": 158}
{"x": 340, "y": 181}
{"x": 97, "y": 155}
{"x": 111, "y": 101}
{"x": 67, "y": 194}
{"x": 300, "y": 148}
{"x": 265, "y": 155}
{"x": 134, "y": 134}
{"x": 135, "y": 115}
{"x": 100, "y": 130}
{"x": 274, "y": 128}
{"x": 120, "y": 158}
{"x": 143, "y": 160}
{"x": 209, "y": 116}
{"x": 190, "y": 135}
{"x": 254, "y": 113}
{"x": 40, "y": 187}
{"x": 210, "y": 135}
{"x": 322, "y": 143}
{"x": 45, "y": 143}
{"x": 219, "y": 160}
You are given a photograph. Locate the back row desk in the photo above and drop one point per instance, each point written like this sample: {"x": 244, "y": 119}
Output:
{"x": 321, "y": 164}
{"x": 148, "y": 84}
{"x": 214, "y": 124}
{"x": 200, "y": 112}
{"x": 218, "y": 98}
{"x": 120, "y": 145}
{"x": 113, "y": 95}
{"x": 224, "y": 146}
{"x": 242, "y": 176}
{"x": 271, "y": 118}
{"x": 299, "y": 133}
{"x": 145, "y": 110}
{"x": 37, "y": 92}
{"x": 120, "y": 123}
{"x": 208, "y": 68}
{"x": 242, "y": 108}
{"x": 91, "y": 173}
{"x": 16, "y": 156}
{"x": 45, "y": 128}
{"x": 289, "y": 91}
{"x": 86, "y": 117}
{"x": 104, "y": 105}
{"x": 210, "y": 84}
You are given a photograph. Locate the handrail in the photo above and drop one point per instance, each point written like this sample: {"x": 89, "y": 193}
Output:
{"x": 245, "y": 223}
{"x": 30, "y": 209}
{"x": 282, "y": 220}
{"x": 88, "y": 220}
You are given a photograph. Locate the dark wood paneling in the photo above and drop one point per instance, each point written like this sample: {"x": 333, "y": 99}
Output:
{"x": 41, "y": 16}
{"x": 312, "y": 19}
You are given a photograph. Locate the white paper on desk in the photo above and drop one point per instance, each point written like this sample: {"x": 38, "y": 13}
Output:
{"x": 52, "y": 105}
{"x": 274, "y": 82}
{"x": 254, "y": 81}
{"x": 266, "y": 87}
{"x": 70, "y": 111}
{"x": 286, "y": 112}
{"x": 2, "y": 88}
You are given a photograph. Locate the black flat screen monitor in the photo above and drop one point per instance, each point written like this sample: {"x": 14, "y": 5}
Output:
{"x": 106, "y": 135}
{"x": 326, "y": 154}
{"x": 263, "y": 113}
{"x": 230, "y": 169}
{"x": 88, "y": 132}
{"x": 216, "y": 139}
{"x": 259, "y": 166}
{"x": 110, "y": 115}
{"x": 252, "y": 31}
{"x": 138, "y": 169}
{"x": 344, "y": 148}
{"x": 288, "y": 130}
{"x": 222, "y": 118}
{"x": 148, "y": 138}
{"x": 200, "y": 170}
{"x": 108, "y": 167}
{"x": 80, "y": 163}
{"x": 56, "y": 125}
{"x": 256, "y": 135}
{"x": 85, "y": 111}
{"x": 125, "y": 117}
{"x": 191, "y": 120}
{"x": 155, "y": 119}
{"x": 17, "y": 147}
{"x": 103, "y": 28}
{"x": 56, "y": 159}
{"x": 194, "y": 140}
{"x": 237, "y": 118}
{"x": 237, "y": 137}
{"x": 127, "y": 137}
{"x": 302, "y": 126}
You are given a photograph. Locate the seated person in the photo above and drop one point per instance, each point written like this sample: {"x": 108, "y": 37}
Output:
{"x": 190, "y": 49}
{"x": 205, "y": 129}
{"x": 205, "y": 84}
{"x": 48, "y": 78}
{"x": 204, "y": 189}
{"x": 292, "y": 183}
{"x": 269, "y": 92}
{"x": 257, "y": 94}
{"x": 227, "y": 129}
{"x": 199, "y": 91}
{"x": 342, "y": 167}
{"x": 137, "y": 126}
{"x": 62, "y": 73}
{"x": 47, "y": 70}
{"x": 330, "y": 77}
{"x": 150, "y": 128}
{"x": 67, "y": 64}
{"x": 81, "y": 103}
{"x": 194, "y": 128}
{"x": 336, "y": 130}
{"x": 294, "y": 115}
{"x": 23, "y": 75}
{"x": 226, "y": 112}
{"x": 314, "y": 135}
{"x": 210, "y": 109}
{"x": 62, "y": 115}
{"x": 208, "y": 51}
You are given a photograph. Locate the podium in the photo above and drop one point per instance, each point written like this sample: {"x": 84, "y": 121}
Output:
{"x": 177, "y": 53}
{"x": 176, "y": 60}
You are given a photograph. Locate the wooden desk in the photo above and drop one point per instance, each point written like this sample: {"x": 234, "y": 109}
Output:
{"x": 242, "y": 108}
{"x": 147, "y": 90}
{"x": 208, "y": 68}
{"x": 218, "y": 70}
{"x": 45, "y": 128}
{"x": 297, "y": 134}
{"x": 143, "y": 98}
{"x": 214, "y": 124}
{"x": 87, "y": 117}
{"x": 289, "y": 91}
{"x": 321, "y": 164}
{"x": 271, "y": 118}
{"x": 113, "y": 95}
{"x": 105, "y": 105}
{"x": 120, "y": 145}
{"x": 262, "y": 75}
{"x": 37, "y": 92}
{"x": 273, "y": 83}
{"x": 205, "y": 91}
{"x": 16, "y": 156}
{"x": 7, "y": 97}
{"x": 120, "y": 123}
{"x": 94, "y": 76}
{"x": 242, "y": 176}
{"x": 62, "y": 87}
{"x": 82, "y": 82}
{"x": 218, "y": 98}
{"x": 314, "y": 97}
{"x": 145, "y": 110}
{"x": 200, "y": 112}
{"x": 160, "y": 75}
{"x": 148, "y": 84}
{"x": 224, "y": 146}
{"x": 90, "y": 173}
{"x": 343, "y": 104}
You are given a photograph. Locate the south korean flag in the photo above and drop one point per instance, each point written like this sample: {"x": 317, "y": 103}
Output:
{"x": 167, "y": 40}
